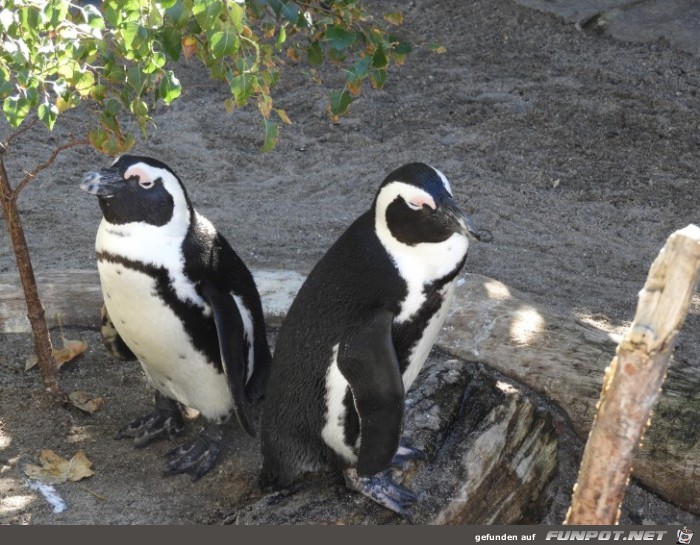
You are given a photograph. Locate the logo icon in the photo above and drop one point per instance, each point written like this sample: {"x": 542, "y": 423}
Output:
{"x": 684, "y": 536}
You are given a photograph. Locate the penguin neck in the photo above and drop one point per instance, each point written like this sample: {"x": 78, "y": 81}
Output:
{"x": 424, "y": 262}
{"x": 159, "y": 246}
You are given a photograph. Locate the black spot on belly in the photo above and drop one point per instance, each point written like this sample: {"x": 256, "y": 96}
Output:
{"x": 108, "y": 295}
{"x": 123, "y": 322}
{"x": 119, "y": 272}
{"x": 182, "y": 356}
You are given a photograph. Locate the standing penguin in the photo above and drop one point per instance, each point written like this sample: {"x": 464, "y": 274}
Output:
{"x": 358, "y": 333}
{"x": 183, "y": 303}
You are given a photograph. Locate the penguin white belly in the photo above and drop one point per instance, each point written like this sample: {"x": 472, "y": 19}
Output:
{"x": 419, "y": 352}
{"x": 333, "y": 431}
{"x": 156, "y": 335}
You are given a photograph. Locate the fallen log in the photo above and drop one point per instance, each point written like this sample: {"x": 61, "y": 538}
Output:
{"x": 565, "y": 360}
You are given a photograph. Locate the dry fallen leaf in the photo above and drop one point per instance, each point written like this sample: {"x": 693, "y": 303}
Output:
{"x": 86, "y": 403}
{"x": 70, "y": 350}
{"x": 55, "y": 469}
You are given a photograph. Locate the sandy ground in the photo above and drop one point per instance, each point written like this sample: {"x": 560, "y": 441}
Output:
{"x": 578, "y": 152}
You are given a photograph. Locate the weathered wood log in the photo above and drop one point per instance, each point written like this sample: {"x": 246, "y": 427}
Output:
{"x": 490, "y": 323}
{"x": 565, "y": 360}
{"x": 76, "y": 296}
{"x": 633, "y": 381}
{"x": 490, "y": 455}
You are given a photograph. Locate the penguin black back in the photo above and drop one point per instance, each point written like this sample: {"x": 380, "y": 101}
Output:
{"x": 359, "y": 330}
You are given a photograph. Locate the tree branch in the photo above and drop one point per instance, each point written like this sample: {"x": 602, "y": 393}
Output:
{"x": 43, "y": 166}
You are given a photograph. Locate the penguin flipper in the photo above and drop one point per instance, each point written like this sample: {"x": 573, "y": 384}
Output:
{"x": 367, "y": 360}
{"x": 229, "y": 329}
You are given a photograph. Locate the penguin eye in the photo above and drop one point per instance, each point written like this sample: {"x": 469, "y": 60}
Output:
{"x": 414, "y": 206}
{"x": 146, "y": 184}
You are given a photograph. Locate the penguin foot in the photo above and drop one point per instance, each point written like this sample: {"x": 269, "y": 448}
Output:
{"x": 405, "y": 455}
{"x": 165, "y": 422}
{"x": 381, "y": 489}
{"x": 196, "y": 457}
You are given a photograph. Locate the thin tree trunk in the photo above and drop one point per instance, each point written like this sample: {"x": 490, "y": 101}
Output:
{"x": 633, "y": 381}
{"x": 35, "y": 310}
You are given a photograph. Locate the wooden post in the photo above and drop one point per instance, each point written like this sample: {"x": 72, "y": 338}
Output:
{"x": 633, "y": 381}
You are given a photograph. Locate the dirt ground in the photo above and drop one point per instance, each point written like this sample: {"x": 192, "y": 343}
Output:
{"x": 578, "y": 152}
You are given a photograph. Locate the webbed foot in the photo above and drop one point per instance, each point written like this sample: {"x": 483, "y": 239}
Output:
{"x": 196, "y": 457}
{"x": 381, "y": 489}
{"x": 405, "y": 455}
{"x": 165, "y": 422}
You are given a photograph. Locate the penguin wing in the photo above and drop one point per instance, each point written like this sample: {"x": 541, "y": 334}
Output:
{"x": 367, "y": 360}
{"x": 229, "y": 330}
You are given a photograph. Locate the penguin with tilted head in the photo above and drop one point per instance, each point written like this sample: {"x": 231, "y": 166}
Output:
{"x": 179, "y": 299}
{"x": 358, "y": 333}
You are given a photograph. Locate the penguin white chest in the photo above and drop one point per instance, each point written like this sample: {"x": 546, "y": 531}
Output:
{"x": 152, "y": 330}
{"x": 423, "y": 346}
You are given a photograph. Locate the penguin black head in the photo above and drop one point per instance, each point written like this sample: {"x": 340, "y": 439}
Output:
{"x": 415, "y": 204}
{"x": 138, "y": 189}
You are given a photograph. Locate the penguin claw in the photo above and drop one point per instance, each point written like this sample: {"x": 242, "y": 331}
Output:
{"x": 405, "y": 455}
{"x": 196, "y": 457}
{"x": 157, "y": 425}
{"x": 382, "y": 490}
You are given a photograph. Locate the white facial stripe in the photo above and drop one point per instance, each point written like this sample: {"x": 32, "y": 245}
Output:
{"x": 409, "y": 193}
{"x": 137, "y": 171}
{"x": 445, "y": 182}
{"x": 422, "y": 200}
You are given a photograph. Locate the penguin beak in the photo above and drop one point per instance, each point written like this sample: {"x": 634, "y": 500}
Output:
{"x": 456, "y": 220}
{"x": 103, "y": 183}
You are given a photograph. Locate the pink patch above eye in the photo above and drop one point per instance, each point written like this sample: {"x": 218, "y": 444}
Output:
{"x": 422, "y": 200}
{"x": 136, "y": 171}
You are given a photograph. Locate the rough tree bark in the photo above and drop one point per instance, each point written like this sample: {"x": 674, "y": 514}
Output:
{"x": 35, "y": 310}
{"x": 633, "y": 381}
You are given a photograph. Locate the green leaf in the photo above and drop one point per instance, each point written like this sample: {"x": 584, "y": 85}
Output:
{"x": 206, "y": 12}
{"x": 272, "y": 132}
{"x": 16, "y": 110}
{"x": 84, "y": 82}
{"x": 241, "y": 87}
{"x": 155, "y": 62}
{"x": 112, "y": 106}
{"x": 170, "y": 88}
{"x": 340, "y": 38}
{"x": 290, "y": 11}
{"x": 379, "y": 59}
{"x": 339, "y": 102}
{"x": 178, "y": 14}
{"x": 361, "y": 67}
{"x": 314, "y": 54}
{"x": 402, "y": 47}
{"x": 48, "y": 113}
{"x": 136, "y": 79}
{"x": 237, "y": 13}
{"x": 281, "y": 37}
{"x": 171, "y": 40}
{"x": 134, "y": 35}
{"x": 378, "y": 78}
{"x": 223, "y": 43}
{"x": 93, "y": 17}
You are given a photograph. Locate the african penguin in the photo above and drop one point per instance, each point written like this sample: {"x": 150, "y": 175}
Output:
{"x": 358, "y": 333}
{"x": 179, "y": 299}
